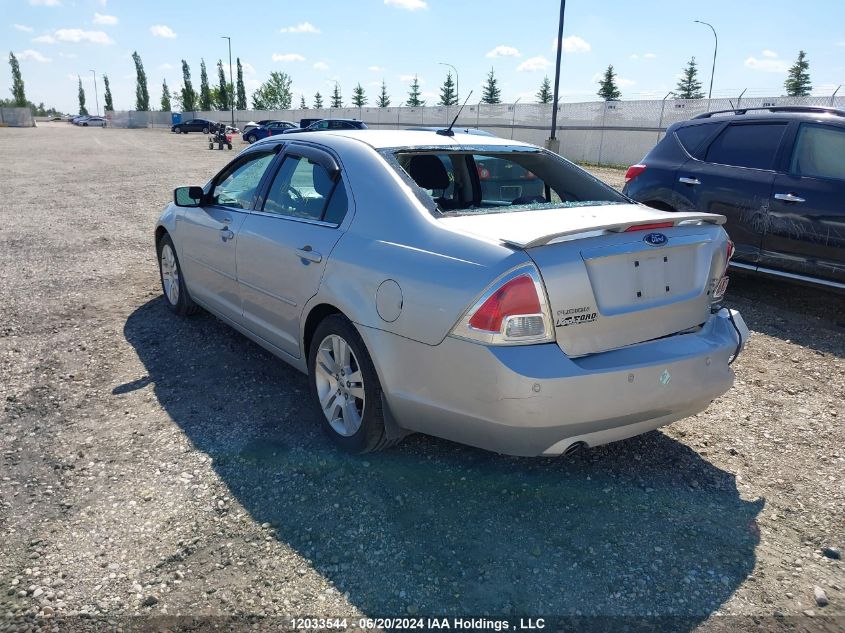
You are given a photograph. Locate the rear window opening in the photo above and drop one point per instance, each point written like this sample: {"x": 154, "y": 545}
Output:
{"x": 482, "y": 182}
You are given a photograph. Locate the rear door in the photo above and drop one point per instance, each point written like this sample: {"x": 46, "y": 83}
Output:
{"x": 806, "y": 229}
{"x": 734, "y": 178}
{"x": 208, "y": 234}
{"x": 284, "y": 244}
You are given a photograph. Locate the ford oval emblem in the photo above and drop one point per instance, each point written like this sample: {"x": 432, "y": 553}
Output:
{"x": 655, "y": 239}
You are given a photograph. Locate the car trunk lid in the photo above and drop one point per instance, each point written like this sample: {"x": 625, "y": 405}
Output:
{"x": 612, "y": 279}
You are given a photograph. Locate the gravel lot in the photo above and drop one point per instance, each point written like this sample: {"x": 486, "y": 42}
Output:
{"x": 157, "y": 466}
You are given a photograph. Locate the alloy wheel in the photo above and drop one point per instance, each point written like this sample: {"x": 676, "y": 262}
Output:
{"x": 340, "y": 385}
{"x": 170, "y": 274}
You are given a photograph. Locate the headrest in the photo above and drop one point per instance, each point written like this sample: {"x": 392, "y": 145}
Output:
{"x": 429, "y": 172}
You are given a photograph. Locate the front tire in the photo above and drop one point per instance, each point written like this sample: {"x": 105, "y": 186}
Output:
{"x": 172, "y": 281}
{"x": 251, "y": 139}
{"x": 346, "y": 388}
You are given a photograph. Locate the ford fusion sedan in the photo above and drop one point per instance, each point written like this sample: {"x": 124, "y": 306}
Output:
{"x": 532, "y": 312}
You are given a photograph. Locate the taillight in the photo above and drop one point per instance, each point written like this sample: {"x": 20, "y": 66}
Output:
{"x": 634, "y": 171}
{"x": 650, "y": 227}
{"x": 730, "y": 254}
{"x": 512, "y": 311}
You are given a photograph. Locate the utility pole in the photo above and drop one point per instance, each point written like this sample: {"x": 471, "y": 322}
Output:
{"x": 231, "y": 81}
{"x": 96, "y": 98}
{"x": 715, "y": 50}
{"x": 553, "y": 143}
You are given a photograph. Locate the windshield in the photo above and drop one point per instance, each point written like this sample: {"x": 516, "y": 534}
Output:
{"x": 463, "y": 182}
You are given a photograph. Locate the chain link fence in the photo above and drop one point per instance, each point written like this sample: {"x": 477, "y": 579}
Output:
{"x": 598, "y": 132}
{"x": 16, "y": 117}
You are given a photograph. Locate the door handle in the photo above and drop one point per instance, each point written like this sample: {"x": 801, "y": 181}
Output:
{"x": 689, "y": 181}
{"x": 306, "y": 252}
{"x": 788, "y": 197}
{"x": 226, "y": 221}
{"x": 226, "y": 234}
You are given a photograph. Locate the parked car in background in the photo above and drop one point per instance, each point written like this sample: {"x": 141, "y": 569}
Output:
{"x": 304, "y": 123}
{"x": 776, "y": 173}
{"x": 194, "y": 125}
{"x": 93, "y": 121}
{"x": 331, "y": 124}
{"x": 254, "y": 124}
{"x": 417, "y": 300}
{"x": 268, "y": 129}
{"x": 79, "y": 119}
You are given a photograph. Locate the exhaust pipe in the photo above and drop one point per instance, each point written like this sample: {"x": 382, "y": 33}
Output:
{"x": 574, "y": 448}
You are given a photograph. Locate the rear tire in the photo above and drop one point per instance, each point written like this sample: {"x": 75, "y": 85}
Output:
{"x": 345, "y": 387}
{"x": 205, "y": 130}
{"x": 172, "y": 281}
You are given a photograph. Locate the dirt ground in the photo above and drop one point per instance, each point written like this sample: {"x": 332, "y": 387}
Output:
{"x": 156, "y": 466}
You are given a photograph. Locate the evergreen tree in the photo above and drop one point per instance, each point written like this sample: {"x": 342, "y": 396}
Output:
{"x": 189, "y": 97}
{"x": 240, "y": 102}
{"x": 608, "y": 90}
{"x": 337, "y": 100}
{"x": 318, "y": 100}
{"x": 383, "y": 100}
{"x": 491, "y": 92}
{"x": 689, "y": 87}
{"x": 18, "y": 94}
{"x": 797, "y": 82}
{"x": 205, "y": 91}
{"x": 109, "y": 103}
{"x": 222, "y": 87}
{"x": 142, "y": 94}
{"x": 302, "y": 104}
{"x": 82, "y": 109}
{"x": 448, "y": 96}
{"x": 273, "y": 94}
{"x": 359, "y": 98}
{"x": 414, "y": 100}
{"x": 165, "y": 96}
{"x": 544, "y": 95}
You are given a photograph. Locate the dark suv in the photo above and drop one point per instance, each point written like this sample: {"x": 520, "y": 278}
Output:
{"x": 777, "y": 174}
{"x": 331, "y": 124}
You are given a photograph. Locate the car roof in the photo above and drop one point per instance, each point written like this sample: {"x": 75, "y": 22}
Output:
{"x": 836, "y": 117}
{"x": 380, "y": 139}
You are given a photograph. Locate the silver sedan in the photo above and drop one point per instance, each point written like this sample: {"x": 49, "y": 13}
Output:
{"x": 472, "y": 288}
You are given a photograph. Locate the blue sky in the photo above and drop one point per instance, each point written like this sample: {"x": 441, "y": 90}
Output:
{"x": 323, "y": 41}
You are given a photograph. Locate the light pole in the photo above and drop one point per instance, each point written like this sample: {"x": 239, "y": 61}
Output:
{"x": 231, "y": 81}
{"x": 553, "y": 143}
{"x": 513, "y": 118}
{"x": 457, "y": 82}
{"x": 96, "y": 98}
{"x": 715, "y": 51}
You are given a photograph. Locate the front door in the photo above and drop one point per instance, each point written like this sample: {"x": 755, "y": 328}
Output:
{"x": 734, "y": 179}
{"x": 208, "y": 234}
{"x": 284, "y": 244}
{"x": 806, "y": 229}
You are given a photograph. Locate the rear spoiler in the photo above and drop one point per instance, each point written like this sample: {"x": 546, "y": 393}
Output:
{"x": 676, "y": 219}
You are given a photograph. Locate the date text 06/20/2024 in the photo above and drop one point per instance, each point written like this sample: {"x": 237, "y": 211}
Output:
{"x": 420, "y": 623}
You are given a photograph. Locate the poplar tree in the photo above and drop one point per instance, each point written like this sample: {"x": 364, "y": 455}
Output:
{"x": 165, "y": 97}
{"x": 240, "y": 102}
{"x": 108, "y": 98}
{"x": 18, "y": 94}
{"x": 205, "y": 90}
{"x": 142, "y": 93}
{"x": 189, "y": 96}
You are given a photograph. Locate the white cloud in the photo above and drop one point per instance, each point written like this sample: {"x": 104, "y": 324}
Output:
{"x": 768, "y": 65}
{"x": 321, "y": 66}
{"x": 503, "y": 51}
{"x": 162, "y": 30}
{"x": 534, "y": 63}
{"x": 288, "y": 57}
{"x": 252, "y": 84}
{"x": 249, "y": 69}
{"x": 410, "y": 78}
{"x": 45, "y": 3}
{"x": 376, "y": 69}
{"x": 100, "y": 18}
{"x": 23, "y": 27}
{"x": 305, "y": 27}
{"x": 634, "y": 56}
{"x": 649, "y": 56}
{"x": 573, "y": 44}
{"x": 68, "y": 55}
{"x": 31, "y": 55}
{"x": 410, "y": 5}
{"x": 75, "y": 36}
{"x": 770, "y": 54}
{"x": 165, "y": 66}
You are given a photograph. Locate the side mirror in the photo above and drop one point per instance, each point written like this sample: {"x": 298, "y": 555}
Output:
{"x": 188, "y": 196}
